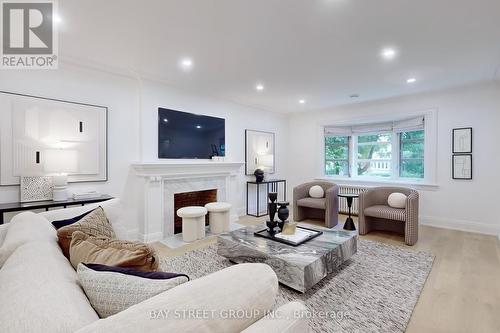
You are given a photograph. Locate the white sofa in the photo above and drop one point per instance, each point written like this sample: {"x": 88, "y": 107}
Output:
{"x": 39, "y": 291}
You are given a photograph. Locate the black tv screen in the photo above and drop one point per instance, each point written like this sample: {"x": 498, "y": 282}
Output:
{"x": 188, "y": 135}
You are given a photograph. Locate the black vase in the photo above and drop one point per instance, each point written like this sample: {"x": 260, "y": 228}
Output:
{"x": 283, "y": 211}
{"x": 272, "y": 206}
{"x": 281, "y": 224}
{"x": 259, "y": 175}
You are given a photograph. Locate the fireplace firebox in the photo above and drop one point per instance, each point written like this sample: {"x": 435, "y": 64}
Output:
{"x": 195, "y": 198}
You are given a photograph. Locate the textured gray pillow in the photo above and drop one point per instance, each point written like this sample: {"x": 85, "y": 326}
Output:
{"x": 111, "y": 292}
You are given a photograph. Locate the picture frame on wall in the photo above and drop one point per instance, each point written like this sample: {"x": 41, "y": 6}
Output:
{"x": 462, "y": 166}
{"x": 34, "y": 128}
{"x": 259, "y": 151}
{"x": 462, "y": 140}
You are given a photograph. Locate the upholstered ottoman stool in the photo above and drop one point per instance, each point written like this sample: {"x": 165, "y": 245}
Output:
{"x": 219, "y": 216}
{"x": 193, "y": 222}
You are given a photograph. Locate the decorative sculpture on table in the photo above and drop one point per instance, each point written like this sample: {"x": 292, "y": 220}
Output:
{"x": 259, "y": 175}
{"x": 272, "y": 207}
{"x": 283, "y": 213}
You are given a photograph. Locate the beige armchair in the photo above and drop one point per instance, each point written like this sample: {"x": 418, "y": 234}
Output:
{"x": 326, "y": 208}
{"x": 376, "y": 214}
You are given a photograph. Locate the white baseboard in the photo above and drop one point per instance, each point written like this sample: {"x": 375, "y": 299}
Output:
{"x": 241, "y": 211}
{"x": 462, "y": 225}
{"x": 134, "y": 234}
{"x": 152, "y": 237}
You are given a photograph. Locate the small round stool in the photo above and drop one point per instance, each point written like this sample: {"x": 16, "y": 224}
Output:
{"x": 193, "y": 222}
{"x": 219, "y": 216}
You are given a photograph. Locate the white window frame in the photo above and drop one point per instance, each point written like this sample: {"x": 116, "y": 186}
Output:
{"x": 429, "y": 182}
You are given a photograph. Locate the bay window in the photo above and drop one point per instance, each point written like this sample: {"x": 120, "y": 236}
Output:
{"x": 337, "y": 155}
{"x": 392, "y": 150}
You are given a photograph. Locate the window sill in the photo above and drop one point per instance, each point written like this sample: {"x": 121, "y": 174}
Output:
{"x": 419, "y": 185}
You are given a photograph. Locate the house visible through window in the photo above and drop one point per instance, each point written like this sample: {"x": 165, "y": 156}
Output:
{"x": 387, "y": 151}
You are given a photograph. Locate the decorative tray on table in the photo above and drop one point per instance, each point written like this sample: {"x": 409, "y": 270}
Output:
{"x": 301, "y": 236}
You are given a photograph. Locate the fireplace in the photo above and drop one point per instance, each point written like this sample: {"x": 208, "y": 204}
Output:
{"x": 194, "y": 198}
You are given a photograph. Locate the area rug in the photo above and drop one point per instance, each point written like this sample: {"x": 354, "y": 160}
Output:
{"x": 375, "y": 291}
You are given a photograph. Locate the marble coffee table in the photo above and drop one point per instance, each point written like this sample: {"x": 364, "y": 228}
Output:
{"x": 298, "y": 267}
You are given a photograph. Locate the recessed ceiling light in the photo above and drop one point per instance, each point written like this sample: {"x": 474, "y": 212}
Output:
{"x": 411, "y": 80}
{"x": 259, "y": 87}
{"x": 302, "y": 101}
{"x": 57, "y": 19}
{"x": 186, "y": 64}
{"x": 354, "y": 96}
{"x": 198, "y": 126}
{"x": 389, "y": 53}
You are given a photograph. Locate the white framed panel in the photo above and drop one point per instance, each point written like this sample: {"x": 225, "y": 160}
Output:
{"x": 31, "y": 126}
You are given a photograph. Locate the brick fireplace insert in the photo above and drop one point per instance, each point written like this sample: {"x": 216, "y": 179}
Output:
{"x": 196, "y": 198}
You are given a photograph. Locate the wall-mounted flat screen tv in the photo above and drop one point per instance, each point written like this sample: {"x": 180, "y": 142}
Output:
{"x": 188, "y": 135}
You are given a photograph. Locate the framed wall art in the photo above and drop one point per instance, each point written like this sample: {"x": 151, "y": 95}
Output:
{"x": 462, "y": 140}
{"x": 462, "y": 166}
{"x": 259, "y": 151}
{"x": 32, "y": 127}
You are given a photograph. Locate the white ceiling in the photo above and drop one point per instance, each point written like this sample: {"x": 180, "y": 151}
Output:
{"x": 319, "y": 50}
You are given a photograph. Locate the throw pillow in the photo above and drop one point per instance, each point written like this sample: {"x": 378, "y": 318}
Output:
{"x": 316, "y": 191}
{"x": 62, "y": 223}
{"x": 111, "y": 289}
{"x": 111, "y": 252}
{"x": 397, "y": 200}
{"x": 94, "y": 224}
{"x": 24, "y": 228}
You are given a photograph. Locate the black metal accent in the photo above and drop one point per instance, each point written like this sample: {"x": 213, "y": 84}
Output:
{"x": 81, "y": 126}
{"x": 22, "y": 206}
{"x": 349, "y": 223}
{"x": 271, "y": 185}
{"x": 37, "y": 157}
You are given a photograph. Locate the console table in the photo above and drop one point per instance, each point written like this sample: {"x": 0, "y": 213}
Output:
{"x": 21, "y": 206}
{"x": 272, "y": 185}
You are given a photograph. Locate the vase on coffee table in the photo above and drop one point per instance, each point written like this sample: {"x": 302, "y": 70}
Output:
{"x": 283, "y": 213}
{"x": 272, "y": 207}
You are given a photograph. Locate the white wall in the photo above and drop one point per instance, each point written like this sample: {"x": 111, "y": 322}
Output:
{"x": 238, "y": 118}
{"x": 119, "y": 94}
{"x": 468, "y": 205}
{"x": 132, "y": 123}
{"x": 133, "y": 108}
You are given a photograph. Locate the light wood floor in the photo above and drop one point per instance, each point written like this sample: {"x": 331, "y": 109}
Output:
{"x": 462, "y": 292}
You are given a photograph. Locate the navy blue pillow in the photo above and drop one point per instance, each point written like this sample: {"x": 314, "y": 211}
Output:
{"x": 134, "y": 272}
{"x": 62, "y": 223}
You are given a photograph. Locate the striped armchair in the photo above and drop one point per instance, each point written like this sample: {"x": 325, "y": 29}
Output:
{"x": 376, "y": 214}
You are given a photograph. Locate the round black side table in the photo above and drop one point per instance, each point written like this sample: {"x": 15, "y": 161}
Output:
{"x": 349, "y": 223}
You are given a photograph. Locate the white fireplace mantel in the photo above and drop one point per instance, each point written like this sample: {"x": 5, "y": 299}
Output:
{"x": 176, "y": 170}
{"x": 163, "y": 179}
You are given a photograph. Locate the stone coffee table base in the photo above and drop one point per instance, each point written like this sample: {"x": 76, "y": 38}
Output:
{"x": 298, "y": 267}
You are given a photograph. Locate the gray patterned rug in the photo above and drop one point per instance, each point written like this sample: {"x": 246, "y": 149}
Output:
{"x": 375, "y": 291}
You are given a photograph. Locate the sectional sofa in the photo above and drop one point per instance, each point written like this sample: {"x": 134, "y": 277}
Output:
{"x": 39, "y": 290}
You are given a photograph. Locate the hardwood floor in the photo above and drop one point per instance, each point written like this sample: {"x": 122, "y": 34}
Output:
{"x": 462, "y": 292}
